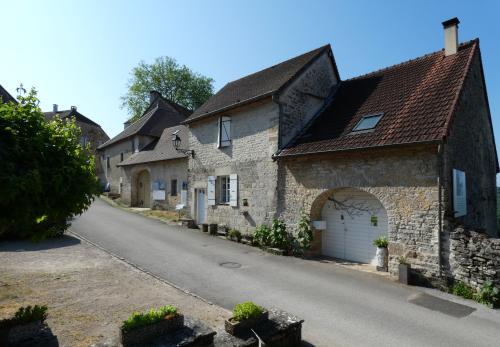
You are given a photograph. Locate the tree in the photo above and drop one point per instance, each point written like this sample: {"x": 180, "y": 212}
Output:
{"x": 176, "y": 83}
{"x": 47, "y": 177}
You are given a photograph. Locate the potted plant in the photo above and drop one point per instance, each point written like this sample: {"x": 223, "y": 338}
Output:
{"x": 26, "y": 324}
{"x": 382, "y": 254}
{"x": 142, "y": 328}
{"x": 246, "y": 316}
{"x": 234, "y": 235}
{"x": 404, "y": 271}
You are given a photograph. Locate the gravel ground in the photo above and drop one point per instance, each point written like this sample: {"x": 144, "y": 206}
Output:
{"x": 88, "y": 292}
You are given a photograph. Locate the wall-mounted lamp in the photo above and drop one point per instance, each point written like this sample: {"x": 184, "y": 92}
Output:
{"x": 176, "y": 142}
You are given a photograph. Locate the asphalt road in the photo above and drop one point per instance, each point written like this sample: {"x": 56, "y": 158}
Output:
{"x": 340, "y": 306}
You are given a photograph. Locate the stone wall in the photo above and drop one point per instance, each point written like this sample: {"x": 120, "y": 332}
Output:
{"x": 304, "y": 97}
{"x": 254, "y": 131}
{"x": 404, "y": 180}
{"x": 95, "y": 136}
{"x": 472, "y": 257}
{"x": 470, "y": 147}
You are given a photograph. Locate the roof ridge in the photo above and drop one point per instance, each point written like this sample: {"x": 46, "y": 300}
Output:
{"x": 427, "y": 55}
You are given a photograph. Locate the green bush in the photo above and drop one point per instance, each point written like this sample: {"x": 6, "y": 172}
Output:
{"x": 262, "y": 235}
{"x": 279, "y": 237}
{"x": 47, "y": 177}
{"x": 30, "y": 314}
{"x": 381, "y": 242}
{"x": 234, "y": 234}
{"x": 137, "y": 319}
{"x": 246, "y": 310}
{"x": 304, "y": 232}
{"x": 463, "y": 290}
{"x": 488, "y": 295}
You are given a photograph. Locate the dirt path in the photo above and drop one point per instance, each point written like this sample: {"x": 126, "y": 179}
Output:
{"x": 88, "y": 292}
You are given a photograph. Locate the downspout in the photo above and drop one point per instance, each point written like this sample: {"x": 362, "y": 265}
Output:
{"x": 440, "y": 207}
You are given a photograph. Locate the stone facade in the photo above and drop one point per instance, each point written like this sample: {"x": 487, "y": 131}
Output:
{"x": 404, "y": 180}
{"x": 95, "y": 137}
{"x": 470, "y": 147}
{"x": 166, "y": 171}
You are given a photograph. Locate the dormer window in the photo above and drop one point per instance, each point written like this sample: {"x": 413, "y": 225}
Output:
{"x": 224, "y": 132}
{"x": 368, "y": 122}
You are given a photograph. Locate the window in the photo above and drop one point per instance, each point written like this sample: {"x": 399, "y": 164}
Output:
{"x": 83, "y": 141}
{"x": 224, "y": 132}
{"x": 459, "y": 193}
{"x": 368, "y": 122}
{"x": 224, "y": 189}
{"x": 173, "y": 187}
{"x": 121, "y": 156}
{"x": 108, "y": 165}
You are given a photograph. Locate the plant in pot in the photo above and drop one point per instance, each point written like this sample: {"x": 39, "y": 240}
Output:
{"x": 246, "y": 316}
{"x": 404, "y": 271}
{"x": 382, "y": 253}
{"x": 142, "y": 328}
{"x": 26, "y": 323}
{"x": 234, "y": 235}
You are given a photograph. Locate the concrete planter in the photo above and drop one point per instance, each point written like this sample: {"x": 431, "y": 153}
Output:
{"x": 404, "y": 274}
{"x": 148, "y": 333}
{"x": 236, "y": 328}
{"x": 382, "y": 259}
{"x": 204, "y": 228}
{"x": 222, "y": 230}
{"x": 212, "y": 228}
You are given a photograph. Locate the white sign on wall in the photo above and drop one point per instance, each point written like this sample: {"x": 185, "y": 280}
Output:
{"x": 184, "y": 195}
{"x": 459, "y": 193}
{"x": 158, "y": 195}
{"x": 319, "y": 224}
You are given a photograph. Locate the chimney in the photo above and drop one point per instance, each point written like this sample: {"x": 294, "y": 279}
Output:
{"x": 450, "y": 36}
{"x": 73, "y": 108}
{"x": 153, "y": 95}
{"x": 54, "y": 108}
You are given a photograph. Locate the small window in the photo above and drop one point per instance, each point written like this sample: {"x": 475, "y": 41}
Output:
{"x": 108, "y": 164}
{"x": 173, "y": 187}
{"x": 224, "y": 189}
{"x": 224, "y": 132}
{"x": 368, "y": 122}
{"x": 121, "y": 156}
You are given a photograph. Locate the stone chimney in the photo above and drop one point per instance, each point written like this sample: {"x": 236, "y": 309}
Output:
{"x": 153, "y": 95}
{"x": 450, "y": 36}
{"x": 54, "y": 108}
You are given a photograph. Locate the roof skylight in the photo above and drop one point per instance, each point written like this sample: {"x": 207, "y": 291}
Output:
{"x": 368, "y": 122}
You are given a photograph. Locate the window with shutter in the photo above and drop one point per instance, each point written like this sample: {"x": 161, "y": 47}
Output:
{"x": 224, "y": 189}
{"x": 459, "y": 193}
{"x": 224, "y": 132}
{"x": 211, "y": 190}
{"x": 233, "y": 190}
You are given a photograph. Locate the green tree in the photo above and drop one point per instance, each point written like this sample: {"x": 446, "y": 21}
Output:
{"x": 46, "y": 176}
{"x": 175, "y": 82}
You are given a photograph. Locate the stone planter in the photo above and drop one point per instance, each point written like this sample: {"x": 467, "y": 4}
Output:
{"x": 404, "y": 274}
{"x": 212, "y": 228}
{"x": 236, "y": 328}
{"x": 204, "y": 228}
{"x": 148, "y": 333}
{"x": 382, "y": 259}
{"x": 222, "y": 230}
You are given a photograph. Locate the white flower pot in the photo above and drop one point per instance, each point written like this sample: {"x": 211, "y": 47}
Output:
{"x": 382, "y": 258}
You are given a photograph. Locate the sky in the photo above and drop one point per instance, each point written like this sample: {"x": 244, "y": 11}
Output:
{"x": 81, "y": 52}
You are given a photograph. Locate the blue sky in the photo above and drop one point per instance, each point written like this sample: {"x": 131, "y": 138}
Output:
{"x": 81, "y": 52}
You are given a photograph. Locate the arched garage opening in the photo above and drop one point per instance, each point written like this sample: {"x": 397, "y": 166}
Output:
{"x": 143, "y": 189}
{"x": 354, "y": 218}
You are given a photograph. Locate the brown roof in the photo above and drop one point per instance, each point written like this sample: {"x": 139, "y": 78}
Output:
{"x": 160, "y": 114}
{"x": 257, "y": 85}
{"x": 417, "y": 99}
{"x": 70, "y": 113}
{"x": 163, "y": 150}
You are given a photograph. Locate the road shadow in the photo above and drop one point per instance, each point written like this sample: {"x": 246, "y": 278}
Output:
{"x": 30, "y": 246}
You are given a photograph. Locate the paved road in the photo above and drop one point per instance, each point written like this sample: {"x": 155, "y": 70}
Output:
{"x": 341, "y": 307}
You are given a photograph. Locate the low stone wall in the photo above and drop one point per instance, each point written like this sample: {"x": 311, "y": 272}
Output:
{"x": 472, "y": 257}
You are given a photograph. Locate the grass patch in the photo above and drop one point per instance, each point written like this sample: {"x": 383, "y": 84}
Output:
{"x": 137, "y": 319}
{"x": 463, "y": 290}
{"x": 246, "y": 310}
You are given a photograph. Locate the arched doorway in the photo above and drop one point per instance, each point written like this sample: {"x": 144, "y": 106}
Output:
{"x": 354, "y": 218}
{"x": 143, "y": 189}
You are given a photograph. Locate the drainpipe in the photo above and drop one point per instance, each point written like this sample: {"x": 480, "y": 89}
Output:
{"x": 440, "y": 207}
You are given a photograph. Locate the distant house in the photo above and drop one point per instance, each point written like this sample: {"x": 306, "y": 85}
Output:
{"x": 140, "y": 163}
{"x": 5, "y": 96}
{"x": 92, "y": 133}
{"x": 402, "y": 152}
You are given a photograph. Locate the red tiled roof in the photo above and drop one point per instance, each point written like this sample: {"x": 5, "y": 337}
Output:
{"x": 417, "y": 99}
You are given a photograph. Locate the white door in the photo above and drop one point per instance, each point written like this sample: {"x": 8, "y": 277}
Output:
{"x": 200, "y": 206}
{"x": 353, "y": 220}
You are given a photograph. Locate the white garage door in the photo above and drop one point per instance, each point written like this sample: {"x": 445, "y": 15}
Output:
{"x": 353, "y": 220}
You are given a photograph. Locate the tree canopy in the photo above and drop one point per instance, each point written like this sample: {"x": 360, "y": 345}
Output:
{"x": 47, "y": 177}
{"x": 175, "y": 82}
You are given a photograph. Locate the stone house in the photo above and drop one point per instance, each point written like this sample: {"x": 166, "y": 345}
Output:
{"x": 92, "y": 133}
{"x": 403, "y": 152}
{"x": 140, "y": 163}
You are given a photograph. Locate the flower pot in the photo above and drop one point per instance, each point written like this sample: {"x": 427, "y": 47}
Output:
{"x": 145, "y": 334}
{"x": 382, "y": 258}
{"x": 236, "y": 328}
{"x": 404, "y": 273}
{"x": 204, "y": 228}
{"x": 212, "y": 228}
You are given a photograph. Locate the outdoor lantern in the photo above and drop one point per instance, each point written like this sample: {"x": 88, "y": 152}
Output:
{"x": 176, "y": 142}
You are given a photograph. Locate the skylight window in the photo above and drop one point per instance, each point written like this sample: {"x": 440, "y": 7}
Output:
{"x": 368, "y": 122}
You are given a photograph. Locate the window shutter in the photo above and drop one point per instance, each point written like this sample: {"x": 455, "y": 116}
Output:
{"x": 218, "y": 132}
{"x": 226, "y": 131}
{"x": 233, "y": 190}
{"x": 459, "y": 193}
{"x": 211, "y": 191}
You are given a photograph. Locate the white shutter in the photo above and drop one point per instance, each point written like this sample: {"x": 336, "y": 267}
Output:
{"x": 218, "y": 132}
{"x": 211, "y": 190}
{"x": 233, "y": 190}
{"x": 459, "y": 193}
